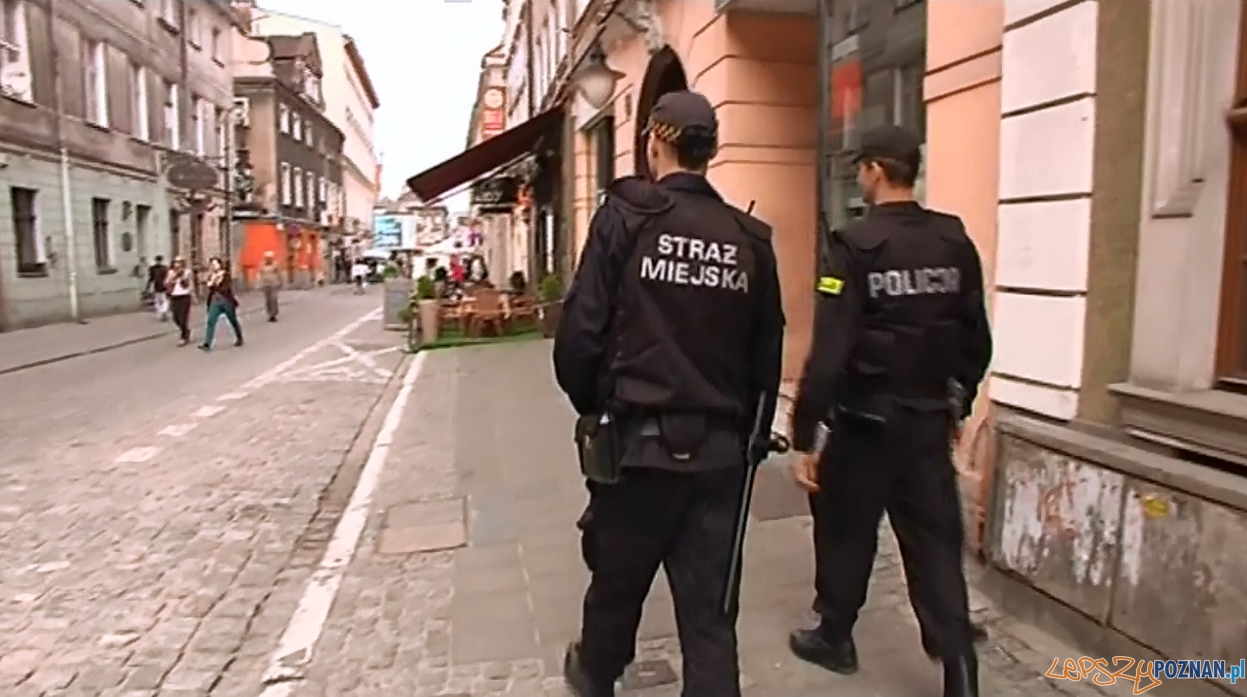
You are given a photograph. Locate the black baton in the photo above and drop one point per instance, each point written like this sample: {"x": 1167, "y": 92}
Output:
{"x": 775, "y": 444}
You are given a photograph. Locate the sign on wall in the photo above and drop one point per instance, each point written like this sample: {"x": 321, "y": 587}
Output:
{"x": 493, "y": 112}
{"x": 496, "y": 195}
{"x": 394, "y": 231}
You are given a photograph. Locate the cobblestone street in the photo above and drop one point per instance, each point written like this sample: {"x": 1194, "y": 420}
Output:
{"x": 154, "y": 501}
{"x": 319, "y": 514}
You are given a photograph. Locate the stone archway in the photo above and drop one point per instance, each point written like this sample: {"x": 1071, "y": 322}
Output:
{"x": 665, "y": 73}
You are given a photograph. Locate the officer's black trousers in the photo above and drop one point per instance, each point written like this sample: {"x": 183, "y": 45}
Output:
{"x": 684, "y": 522}
{"x": 904, "y": 468}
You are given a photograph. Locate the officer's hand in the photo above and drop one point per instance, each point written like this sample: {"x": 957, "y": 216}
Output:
{"x": 805, "y": 471}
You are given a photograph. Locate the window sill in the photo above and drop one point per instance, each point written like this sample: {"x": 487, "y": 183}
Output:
{"x": 32, "y": 272}
{"x": 195, "y": 45}
{"x": 218, "y": 61}
{"x": 96, "y": 126}
{"x": 168, "y": 26}
{"x": 105, "y": 271}
{"x": 1209, "y": 422}
{"x": 27, "y": 102}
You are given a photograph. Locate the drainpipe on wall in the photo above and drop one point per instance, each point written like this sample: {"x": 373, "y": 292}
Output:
{"x": 536, "y": 256}
{"x": 67, "y": 198}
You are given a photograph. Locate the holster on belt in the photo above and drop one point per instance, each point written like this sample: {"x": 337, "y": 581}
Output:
{"x": 598, "y": 448}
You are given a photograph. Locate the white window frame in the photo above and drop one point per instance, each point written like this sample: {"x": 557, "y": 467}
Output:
{"x": 287, "y": 193}
{"x": 142, "y": 107}
{"x": 283, "y": 118}
{"x": 198, "y": 108}
{"x": 297, "y": 178}
{"x": 15, "y": 77}
{"x": 95, "y": 80}
{"x": 307, "y": 133}
{"x": 216, "y": 43}
{"x": 324, "y": 190}
{"x": 296, "y": 126}
{"x": 311, "y": 191}
{"x": 169, "y": 12}
{"x": 173, "y": 115}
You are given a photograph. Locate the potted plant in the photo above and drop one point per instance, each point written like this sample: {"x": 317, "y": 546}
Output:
{"x": 426, "y": 303}
{"x": 551, "y": 304}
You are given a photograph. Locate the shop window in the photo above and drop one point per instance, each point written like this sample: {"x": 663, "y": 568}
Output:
{"x": 1232, "y": 344}
{"x": 856, "y": 16}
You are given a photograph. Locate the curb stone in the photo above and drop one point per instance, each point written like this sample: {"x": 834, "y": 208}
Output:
{"x": 167, "y": 329}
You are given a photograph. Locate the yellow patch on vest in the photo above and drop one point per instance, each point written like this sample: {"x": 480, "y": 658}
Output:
{"x": 830, "y": 285}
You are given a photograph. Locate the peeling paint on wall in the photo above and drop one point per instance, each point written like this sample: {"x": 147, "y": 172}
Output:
{"x": 1063, "y": 504}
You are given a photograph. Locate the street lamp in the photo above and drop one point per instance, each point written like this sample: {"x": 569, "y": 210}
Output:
{"x": 595, "y": 79}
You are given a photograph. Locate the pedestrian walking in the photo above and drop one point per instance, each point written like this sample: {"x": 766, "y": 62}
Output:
{"x": 221, "y": 302}
{"x": 901, "y": 343}
{"x": 271, "y": 283}
{"x": 359, "y": 276}
{"x": 181, "y": 288}
{"x": 669, "y": 348}
{"x": 156, "y": 275}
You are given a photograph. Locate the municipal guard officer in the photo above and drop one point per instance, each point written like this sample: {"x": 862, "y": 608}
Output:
{"x": 672, "y": 332}
{"x": 901, "y": 342}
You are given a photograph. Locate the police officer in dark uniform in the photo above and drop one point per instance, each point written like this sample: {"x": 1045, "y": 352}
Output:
{"x": 672, "y": 331}
{"x": 901, "y": 342}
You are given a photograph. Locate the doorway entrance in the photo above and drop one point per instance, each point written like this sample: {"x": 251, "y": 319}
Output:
{"x": 665, "y": 73}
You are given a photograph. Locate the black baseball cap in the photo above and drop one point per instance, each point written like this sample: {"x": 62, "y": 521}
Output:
{"x": 890, "y": 143}
{"x": 676, "y": 111}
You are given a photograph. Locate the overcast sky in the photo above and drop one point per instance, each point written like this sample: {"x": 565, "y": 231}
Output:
{"x": 424, "y": 60}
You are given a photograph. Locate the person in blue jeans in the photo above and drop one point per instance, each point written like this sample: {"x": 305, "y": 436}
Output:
{"x": 221, "y": 301}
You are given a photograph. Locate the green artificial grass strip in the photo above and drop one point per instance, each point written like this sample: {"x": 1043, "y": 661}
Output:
{"x": 453, "y": 338}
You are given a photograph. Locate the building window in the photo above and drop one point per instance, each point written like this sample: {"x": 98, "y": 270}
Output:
{"x": 95, "y": 79}
{"x": 169, "y": 12}
{"x": 197, "y": 124}
{"x": 286, "y": 190}
{"x": 324, "y": 190}
{"x": 298, "y": 187}
{"x": 311, "y": 191}
{"x": 192, "y": 29}
{"x": 1232, "y": 332}
{"x": 283, "y": 118}
{"x": 100, "y": 236}
{"x": 31, "y": 257}
{"x": 242, "y": 110}
{"x": 216, "y": 44}
{"x": 297, "y": 130}
{"x": 308, "y": 133}
{"x": 221, "y": 119}
{"x": 604, "y": 156}
{"x": 142, "y": 113}
{"x": 175, "y": 233}
{"x": 14, "y": 59}
{"x": 173, "y": 116}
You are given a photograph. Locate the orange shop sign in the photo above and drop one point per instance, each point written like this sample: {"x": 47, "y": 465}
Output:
{"x": 493, "y": 112}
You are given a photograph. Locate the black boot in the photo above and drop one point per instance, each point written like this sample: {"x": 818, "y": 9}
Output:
{"x": 813, "y": 646}
{"x": 578, "y": 679}
{"x": 961, "y": 677}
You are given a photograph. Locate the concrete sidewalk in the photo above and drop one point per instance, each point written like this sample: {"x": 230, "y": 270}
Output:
{"x": 29, "y": 348}
{"x": 468, "y": 579}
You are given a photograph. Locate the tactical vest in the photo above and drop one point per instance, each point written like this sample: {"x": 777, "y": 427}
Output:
{"x": 687, "y": 302}
{"x": 910, "y": 266}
